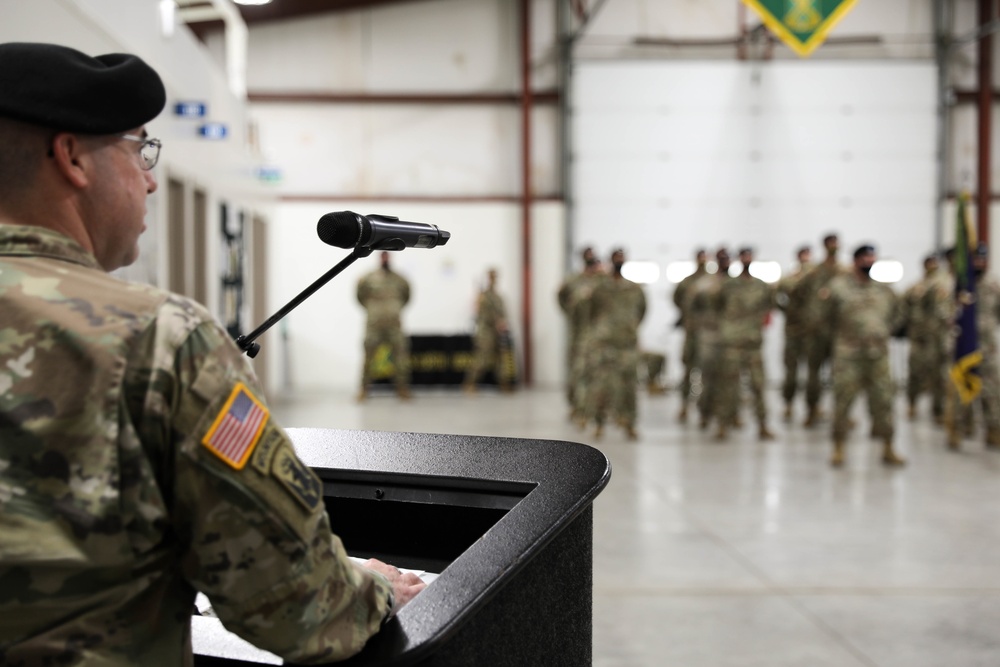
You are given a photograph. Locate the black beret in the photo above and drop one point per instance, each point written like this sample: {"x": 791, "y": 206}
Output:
{"x": 63, "y": 89}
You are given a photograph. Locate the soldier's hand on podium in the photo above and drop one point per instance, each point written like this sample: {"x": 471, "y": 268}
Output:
{"x": 405, "y": 585}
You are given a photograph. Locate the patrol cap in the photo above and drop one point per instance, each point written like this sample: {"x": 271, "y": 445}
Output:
{"x": 863, "y": 250}
{"x": 63, "y": 89}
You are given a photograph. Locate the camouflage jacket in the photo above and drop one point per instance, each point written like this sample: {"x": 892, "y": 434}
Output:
{"x": 702, "y": 302}
{"x": 490, "y": 311}
{"x": 383, "y": 294}
{"x": 689, "y": 299}
{"x": 790, "y": 301}
{"x": 138, "y": 465}
{"x": 744, "y": 303}
{"x": 987, "y": 311}
{"x": 862, "y": 315}
{"x": 813, "y": 291}
{"x": 616, "y": 309}
{"x": 928, "y": 308}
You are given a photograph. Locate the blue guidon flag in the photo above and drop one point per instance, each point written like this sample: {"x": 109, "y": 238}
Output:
{"x": 237, "y": 427}
{"x": 965, "y": 368}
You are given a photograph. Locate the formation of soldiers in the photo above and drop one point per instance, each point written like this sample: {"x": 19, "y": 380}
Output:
{"x": 839, "y": 322}
{"x": 604, "y": 310}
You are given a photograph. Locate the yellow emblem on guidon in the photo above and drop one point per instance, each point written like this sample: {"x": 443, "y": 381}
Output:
{"x": 237, "y": 427}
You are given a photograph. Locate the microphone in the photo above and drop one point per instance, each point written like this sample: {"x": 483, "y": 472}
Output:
{"x": 346, "y": 229}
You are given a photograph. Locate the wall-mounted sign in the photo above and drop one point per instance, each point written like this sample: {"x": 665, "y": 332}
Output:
{"x": 269, "y": 174}
{"x": 213, "y": 130}
{"x": 801, "y": 24}
{"x": 190, "y": 109}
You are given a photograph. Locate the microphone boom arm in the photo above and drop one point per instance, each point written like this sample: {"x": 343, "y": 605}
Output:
{"x": 246, "y": 341}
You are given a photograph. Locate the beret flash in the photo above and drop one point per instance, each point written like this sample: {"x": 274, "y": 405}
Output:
{"x": 63, "y": 89}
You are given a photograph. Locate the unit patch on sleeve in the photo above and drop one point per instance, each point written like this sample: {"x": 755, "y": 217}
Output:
{"x": 237, "y": 427}
{"x": 300, "y": 481}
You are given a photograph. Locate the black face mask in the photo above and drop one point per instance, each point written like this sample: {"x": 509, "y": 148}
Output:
{"x": 866, "y": 269}
{"x": 618, "y": 266}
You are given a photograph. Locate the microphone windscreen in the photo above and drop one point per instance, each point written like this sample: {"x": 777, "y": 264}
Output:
{"x": 341, "y": 229}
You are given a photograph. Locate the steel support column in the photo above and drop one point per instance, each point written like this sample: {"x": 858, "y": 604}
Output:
{"x": 985, "y": 72}
{"x": 526, "y": 198}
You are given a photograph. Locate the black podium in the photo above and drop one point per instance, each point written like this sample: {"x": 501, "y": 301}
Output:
{"x": 507, "y": 522}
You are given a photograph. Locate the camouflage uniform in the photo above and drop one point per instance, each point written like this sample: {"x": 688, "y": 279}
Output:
{"x": 796, "y": 341}
{"x": 616, "y": 309}
{"x": 928, "y": 308}
{"x": 744, "y": 303}
{"x": 383, "y": 293}
{"x": 490, "y": 314}
{"x": 862, "y": 316}
{"x": 705, "y": 306}
{"x": 987, "y": 321}
{"x": 568, "y": 297}
{"x": 692, "y": 322}
{"x": 812, "y": 292}
{"x": 118, "y": 496}
{"x": 578, "y": 312}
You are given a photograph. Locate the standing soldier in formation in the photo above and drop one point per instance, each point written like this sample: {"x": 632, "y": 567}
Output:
{"x": 928, "y": 311}
{"x": 744, "y": 304}
{"x": 383, "y": 293}
{"x": 813, "y": 291}
{"x": 789, "y": 301}
{"x": 704, "y": 304}
{"x": 987, "y": 300}
{"x": 616, "y": 308}
{"x": 570, "y": 293}
{"x": 862, "y": 314}
{"x": 491, "y": 333}
{"x": 683, "y": 297}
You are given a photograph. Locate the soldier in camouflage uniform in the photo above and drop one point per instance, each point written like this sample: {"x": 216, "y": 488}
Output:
{"x": 705, "y": 306}
{"x": 616, "y": 308}
{"x": 928, "y": 308}
{"x": 744, "y": 304}
{"x": 491, "y": 326}
{"x": 138, "y": 461}
{"x": 383, "y": 293}
{"x": 813, "y": 291}
{"x": 987, "y": 320}
{"x": 573, "y": 296}
{"x": 862, "y": 314}
{"x": 684, "y": 295}
{"x": 796, "y": 341}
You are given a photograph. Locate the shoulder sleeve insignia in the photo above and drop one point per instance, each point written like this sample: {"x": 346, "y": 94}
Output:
{"x": 298, "y": 479}
{"x": 237, "y": 427}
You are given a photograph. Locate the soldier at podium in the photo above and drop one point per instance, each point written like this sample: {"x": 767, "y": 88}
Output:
{"x": 139, "y": 461}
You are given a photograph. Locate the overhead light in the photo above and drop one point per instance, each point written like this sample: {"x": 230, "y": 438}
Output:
{"x": 644, "y": 273}
{"x": 887, "y": 271}
{"x": 252, "y": 2}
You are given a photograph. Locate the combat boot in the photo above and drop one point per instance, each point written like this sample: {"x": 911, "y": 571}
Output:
{"x": 362, "y": 395}
{"x": 889, "y": 455}
{"x": 788, "y": 413}
{"x": 911, "y": 413}
{"x": 722, "y": 434}
{"x": 403, "y": 392}
{"x": 630, "y": 433}
{"x": 837, "y": 459}
{"x": 599, "y": 431}
{"x": 469, "y": 388}
{"x": 812, "y": 419}
{"x": 682, "y": 416}
{"x": 764, "y": 435}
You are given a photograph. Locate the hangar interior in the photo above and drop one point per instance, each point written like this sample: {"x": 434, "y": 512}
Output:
{"x": 531, "y": 128}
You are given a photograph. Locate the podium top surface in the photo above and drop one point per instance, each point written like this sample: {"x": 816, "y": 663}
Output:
{"x": 551, "y": 482}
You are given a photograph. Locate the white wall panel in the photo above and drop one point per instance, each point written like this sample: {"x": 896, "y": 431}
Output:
{"x": 728, "y": 153}
{"x": 326, "y": 331}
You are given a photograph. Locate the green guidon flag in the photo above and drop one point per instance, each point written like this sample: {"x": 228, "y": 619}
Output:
{"x": 801, "y": 24}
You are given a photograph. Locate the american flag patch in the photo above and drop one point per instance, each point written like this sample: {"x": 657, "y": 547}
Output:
{"x": 237, "y": 427}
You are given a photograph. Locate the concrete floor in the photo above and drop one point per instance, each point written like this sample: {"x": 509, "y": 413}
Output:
{"x": 748, "y": 553}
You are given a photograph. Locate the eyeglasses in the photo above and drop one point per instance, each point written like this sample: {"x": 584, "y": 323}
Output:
{"x": 149, "y": 151}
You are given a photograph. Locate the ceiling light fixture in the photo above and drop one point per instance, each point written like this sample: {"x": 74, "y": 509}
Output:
{"x": 252, "y": 2}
